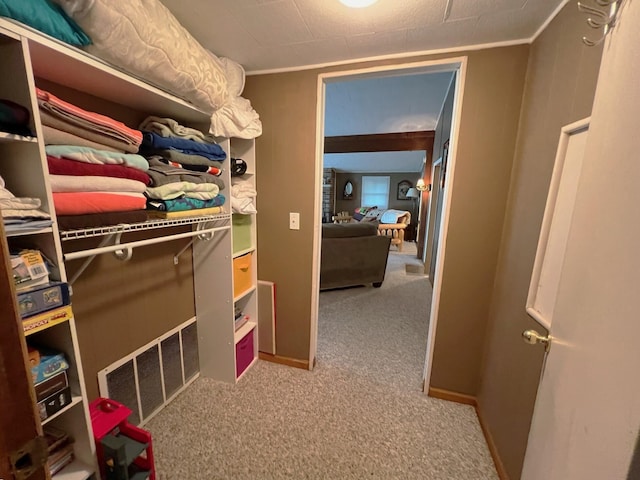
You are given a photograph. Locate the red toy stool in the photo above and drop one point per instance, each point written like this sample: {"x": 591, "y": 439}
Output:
{"x": 124, "y": 450}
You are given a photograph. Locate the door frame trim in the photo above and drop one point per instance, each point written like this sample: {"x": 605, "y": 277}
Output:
{"x": 451, "y": 64}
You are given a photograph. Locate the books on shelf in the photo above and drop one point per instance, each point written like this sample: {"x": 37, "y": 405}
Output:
{"x": 59, "y": 447}
{"x": 240, "y": 321}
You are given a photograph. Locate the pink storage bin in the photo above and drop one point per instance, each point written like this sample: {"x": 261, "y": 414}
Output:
{"x": 244, "y": 353}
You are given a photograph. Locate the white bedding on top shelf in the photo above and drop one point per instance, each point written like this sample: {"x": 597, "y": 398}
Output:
{"x": 143, "y": 37}
{"x": 61, "y": 63}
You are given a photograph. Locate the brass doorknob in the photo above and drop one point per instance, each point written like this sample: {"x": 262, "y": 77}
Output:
{"x": 532, "y": 337}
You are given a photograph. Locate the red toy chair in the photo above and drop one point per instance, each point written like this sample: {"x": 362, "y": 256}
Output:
{"x": 124, "y": 450}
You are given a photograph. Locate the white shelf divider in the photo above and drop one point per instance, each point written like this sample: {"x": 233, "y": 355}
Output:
{"x": 245, "y": 293}
{"x": 243, "y": 330}
{"x": 76, "y": 470}
{"x": 75, "y": 400}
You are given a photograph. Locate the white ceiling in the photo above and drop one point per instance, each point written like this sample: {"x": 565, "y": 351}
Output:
{"x": 278, "y": 34}
{"x": 268, "y": 35}
{"x": 405, "y": 103}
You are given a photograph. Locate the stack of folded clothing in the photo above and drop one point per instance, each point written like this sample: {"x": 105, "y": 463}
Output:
{"x": 243, "y": 197}
{"x": 176, "y": 192}
{"x": 95, "y": 187}
{"x": 21, "y": 213}
{"x": 97, "y": 177}
{"x": 67, "y": 124}
{"x": 185, "y": 167}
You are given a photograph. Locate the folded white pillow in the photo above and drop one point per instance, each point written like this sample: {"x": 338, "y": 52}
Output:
{"x": 145, "y": 39}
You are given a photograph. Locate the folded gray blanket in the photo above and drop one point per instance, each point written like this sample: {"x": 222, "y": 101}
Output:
{"x": 163, "y": 174}
{"x": 187, "y": 158}
{"x": 167, "y": 127}
{"x": 59, "y": 124}
{"x": 53, "y": 136}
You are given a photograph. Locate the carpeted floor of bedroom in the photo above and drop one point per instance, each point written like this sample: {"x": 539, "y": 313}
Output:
{"x": 359, "y": 414}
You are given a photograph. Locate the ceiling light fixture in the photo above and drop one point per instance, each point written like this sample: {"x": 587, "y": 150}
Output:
{"x": 358, "y": 3}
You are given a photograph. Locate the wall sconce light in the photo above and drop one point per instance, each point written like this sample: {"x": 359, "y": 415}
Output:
{"x": 420, "y": 185}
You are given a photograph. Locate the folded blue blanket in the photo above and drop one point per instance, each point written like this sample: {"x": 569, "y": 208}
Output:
{"x": 212, "y": 151}
{"x": 46, "y": 16}
{"x": 185, "y": 203}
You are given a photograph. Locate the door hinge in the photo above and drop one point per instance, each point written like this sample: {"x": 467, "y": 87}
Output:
{"x": 28, "y": 459}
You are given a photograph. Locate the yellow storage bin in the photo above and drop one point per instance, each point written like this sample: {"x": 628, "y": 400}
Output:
{"x": 242, "y": 274}
{"x": 241, "y": 225}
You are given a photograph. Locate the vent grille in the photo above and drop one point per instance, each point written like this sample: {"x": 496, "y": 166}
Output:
{"x": 149, "y": 378}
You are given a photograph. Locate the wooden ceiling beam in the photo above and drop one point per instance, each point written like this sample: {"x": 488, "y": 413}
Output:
{"x": 380, "y": 142}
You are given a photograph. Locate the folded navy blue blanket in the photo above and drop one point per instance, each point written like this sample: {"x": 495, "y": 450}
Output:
{"x": 212, "y": 151}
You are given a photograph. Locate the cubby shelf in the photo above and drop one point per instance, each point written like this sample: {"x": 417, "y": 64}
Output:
{"x": 243, "y": 252}
{"x": 245, "y": 293}
{"x": 243, "y": 330}
{"x": 12, "y": 137}
{"x": 75, "y": 400}
{"x": 76, "y": 470}
{"x": 30, "y": 231}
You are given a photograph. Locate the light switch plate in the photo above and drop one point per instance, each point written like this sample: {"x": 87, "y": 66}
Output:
{"x": 294, "y": 221}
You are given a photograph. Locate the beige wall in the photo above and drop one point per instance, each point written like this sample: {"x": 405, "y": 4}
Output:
{"x": 559, "y": 90}
{"x": 285, "y": 168}
{"x": 121, "y": 306}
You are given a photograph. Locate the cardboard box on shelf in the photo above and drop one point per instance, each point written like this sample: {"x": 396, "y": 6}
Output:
{"x": 51, "y": 363}
{"x": 50, "y": 386}
{"x": 43, "y": 298}
{"x": 54, "y": 403}
{"x": 47, "y": 319}
{"x": 29, "y": 269}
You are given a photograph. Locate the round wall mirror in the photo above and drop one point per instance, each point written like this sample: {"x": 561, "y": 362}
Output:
{"x": 347, "y": 194}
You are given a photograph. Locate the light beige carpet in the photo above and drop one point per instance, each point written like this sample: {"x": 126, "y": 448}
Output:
{"x": 360, "y": 414}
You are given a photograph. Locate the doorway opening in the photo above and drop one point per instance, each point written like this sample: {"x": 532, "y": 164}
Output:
{"x": 456, "y": 70}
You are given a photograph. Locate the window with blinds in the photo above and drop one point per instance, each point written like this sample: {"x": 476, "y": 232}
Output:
{"x": 375, "y": 191}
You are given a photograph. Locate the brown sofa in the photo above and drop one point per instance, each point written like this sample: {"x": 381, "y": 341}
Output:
{"x": 352, "y": 254}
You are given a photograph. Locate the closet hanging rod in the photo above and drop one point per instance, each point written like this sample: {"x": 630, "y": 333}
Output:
{"x": 141, "y": 243}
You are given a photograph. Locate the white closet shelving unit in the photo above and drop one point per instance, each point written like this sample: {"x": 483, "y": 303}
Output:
{"x": 23, "y": 167}
{"x": 226, "y": 353}
{"x": 245, "y": 241}
{"x": 29, "y": 56}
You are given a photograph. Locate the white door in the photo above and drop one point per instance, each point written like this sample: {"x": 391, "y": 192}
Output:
{"x": 587, "y": 413}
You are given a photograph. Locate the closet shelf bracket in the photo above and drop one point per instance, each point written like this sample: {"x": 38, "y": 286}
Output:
{"x": 87, "y": 261}
{"x": 124, "y": 251}
{"x": 204, "y": 236}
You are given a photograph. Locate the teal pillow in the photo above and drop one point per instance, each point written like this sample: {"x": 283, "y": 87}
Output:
{"x": 47, "y": 17}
